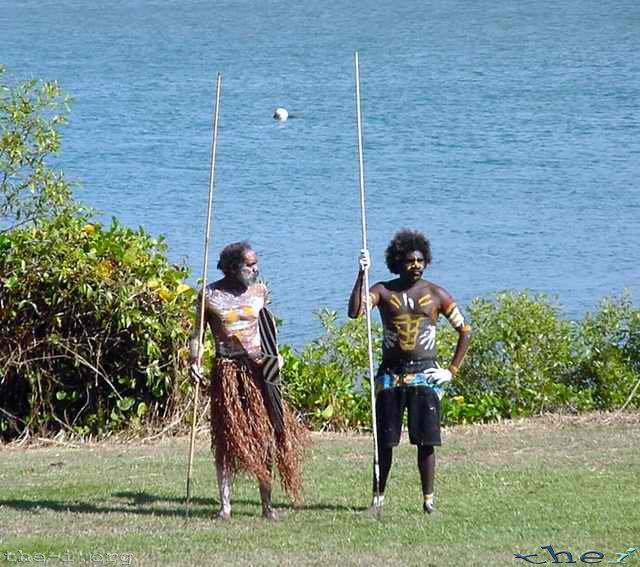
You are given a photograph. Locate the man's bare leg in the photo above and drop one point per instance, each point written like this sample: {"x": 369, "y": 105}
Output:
{"x": 427, "y": 467}
{"x": 225, "y": 480}
{"x": 268, "y": 513}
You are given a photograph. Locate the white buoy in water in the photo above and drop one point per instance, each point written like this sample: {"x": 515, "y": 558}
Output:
{"x": 280, "y": 114}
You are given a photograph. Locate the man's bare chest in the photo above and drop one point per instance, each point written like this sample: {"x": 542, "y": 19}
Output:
{"x": 416, "y": 305}
{"x": 235, "y": 310}
{"x": 409, "y": 321}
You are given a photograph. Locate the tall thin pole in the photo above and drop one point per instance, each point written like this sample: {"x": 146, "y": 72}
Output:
{"x": 205, "y": 263}
{"x": 376, "y": 465}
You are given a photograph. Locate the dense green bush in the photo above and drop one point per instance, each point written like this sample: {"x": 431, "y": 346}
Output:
{"x": 328, "y": 381}
{"x": 607, "y": 345}
{"x": 93, "y": 322}
{"x": 519, "y": 361}
{"x": 94, "y": 326}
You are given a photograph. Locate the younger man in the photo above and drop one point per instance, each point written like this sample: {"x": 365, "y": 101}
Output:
{"x": 409, "y": 376}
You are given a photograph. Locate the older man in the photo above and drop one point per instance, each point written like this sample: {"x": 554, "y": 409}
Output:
{"x": 245, "y": 435}
{"x": 409, "y": 376}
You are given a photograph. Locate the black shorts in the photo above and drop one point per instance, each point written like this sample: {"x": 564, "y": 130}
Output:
{"x": 423, "y": 406}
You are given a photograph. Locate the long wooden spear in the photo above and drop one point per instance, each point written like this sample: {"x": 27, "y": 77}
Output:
{"x": 205, "y": 263}
{"x": 376, "y": 465}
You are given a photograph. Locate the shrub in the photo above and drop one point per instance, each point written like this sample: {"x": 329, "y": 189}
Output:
{"x": 519, "y": 360}
{"x": 328, "y": 381}
{"x": 607, "y": 345}
{"x": 94, "y": 326}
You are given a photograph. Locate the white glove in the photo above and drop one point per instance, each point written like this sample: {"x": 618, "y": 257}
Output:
{"x": 364, "y": 260}
{"x": 440, "y": 376}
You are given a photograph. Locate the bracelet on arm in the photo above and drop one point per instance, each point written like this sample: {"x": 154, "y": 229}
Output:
{"x": 453, "y": 369}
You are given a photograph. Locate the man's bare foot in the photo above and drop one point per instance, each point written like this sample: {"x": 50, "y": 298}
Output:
{"x": 374, "y": 511}
{"x": 222, "y": 516}
{"x": 270, "y": 514}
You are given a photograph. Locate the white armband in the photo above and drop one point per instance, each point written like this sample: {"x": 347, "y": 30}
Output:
{"x": 454, "y": 316}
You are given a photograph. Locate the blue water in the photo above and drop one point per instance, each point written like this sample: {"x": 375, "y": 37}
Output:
{"x": 508, "y": 131}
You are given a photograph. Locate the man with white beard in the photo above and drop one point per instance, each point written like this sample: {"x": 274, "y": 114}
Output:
{"x": 245, "y": 434}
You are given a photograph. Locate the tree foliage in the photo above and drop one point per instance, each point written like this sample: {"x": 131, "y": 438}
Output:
{"x": 31, "y": 116}
{"x": 94, "y": 322}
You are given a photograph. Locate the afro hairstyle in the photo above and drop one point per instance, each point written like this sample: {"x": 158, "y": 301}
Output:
{"x": 404, "y": 242}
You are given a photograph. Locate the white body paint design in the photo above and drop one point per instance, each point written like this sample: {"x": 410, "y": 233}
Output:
{"x": 239, "y": 316}
{"x": 428, "y": 338}
{"x": 390, "y": 338}
{"x": 408, "y": 301}
{"x": 224, "y": 487}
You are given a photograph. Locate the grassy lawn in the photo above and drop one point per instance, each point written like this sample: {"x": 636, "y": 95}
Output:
{"x": 502, "y": 489}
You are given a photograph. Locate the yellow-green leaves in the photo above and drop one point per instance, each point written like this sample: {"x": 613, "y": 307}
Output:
{"x": 31, "y": 114}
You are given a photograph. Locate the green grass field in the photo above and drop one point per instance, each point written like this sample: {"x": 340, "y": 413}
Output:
{"x": 502, "y": 489}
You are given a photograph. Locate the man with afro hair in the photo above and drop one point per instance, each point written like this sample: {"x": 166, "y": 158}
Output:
{"x": 409, "y": 376}
{"x": 245, "y": 434}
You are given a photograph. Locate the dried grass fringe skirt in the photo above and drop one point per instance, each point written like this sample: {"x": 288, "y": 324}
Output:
{"x": 242, "y": 436}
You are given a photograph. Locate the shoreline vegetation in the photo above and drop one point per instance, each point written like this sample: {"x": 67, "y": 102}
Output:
{"x": 95, "y": 322}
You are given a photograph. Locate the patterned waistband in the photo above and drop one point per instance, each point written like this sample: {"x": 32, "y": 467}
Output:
{"x": 386, "y": 378}
{"x": 403, "y": 367}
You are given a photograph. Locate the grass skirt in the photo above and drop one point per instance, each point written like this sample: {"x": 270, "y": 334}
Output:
{"x": 242, "y": 435}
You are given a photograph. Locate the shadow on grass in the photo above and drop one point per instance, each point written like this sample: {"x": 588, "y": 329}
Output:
{"x": 146, "y": 504}
{"x": 87, "y": 508}
{"x": 142, "y": 498}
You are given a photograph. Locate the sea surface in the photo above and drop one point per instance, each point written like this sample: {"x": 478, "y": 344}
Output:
{"x": 509, "y": 132}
